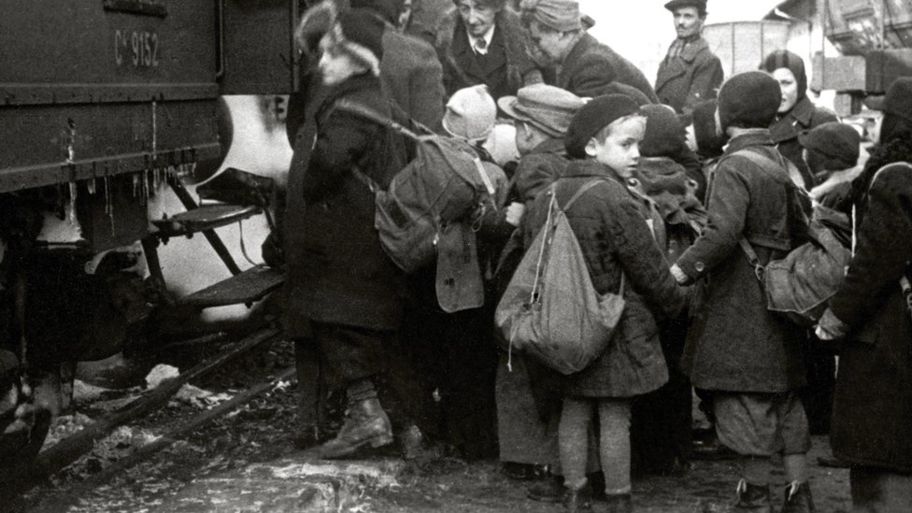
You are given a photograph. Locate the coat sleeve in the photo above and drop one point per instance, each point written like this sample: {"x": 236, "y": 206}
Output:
{"x": 707, "y": 78}
{"x": 593, "y": 75}
{"x": 643, "y": 262}
{"x": 882, "y": 251}
{"x": 533, "y": 175}
{"x": 341, "y": 141}
{"x": 728, "y": 203}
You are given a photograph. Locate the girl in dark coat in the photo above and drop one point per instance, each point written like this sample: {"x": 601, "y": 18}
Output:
{"x": 343, "y": 292}
{"x": 611, "y": 226}
{"x": 796, "y": 111}
{"x": 872, "y": 411}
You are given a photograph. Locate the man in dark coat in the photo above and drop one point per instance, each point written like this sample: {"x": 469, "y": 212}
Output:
{"x": 797, "y": 112}
{"x": 343, "y": 292}
{"x": 747, "y": 356}
{"x": 586, "y": 67}
{"x": 872, "y": 410}
{"x": 690, "y": 72}
{"x": 482, "y": 42}
{"x": 410, "y": 72}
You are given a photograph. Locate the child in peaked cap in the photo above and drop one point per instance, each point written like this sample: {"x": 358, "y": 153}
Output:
{"x": 610, "y": 224}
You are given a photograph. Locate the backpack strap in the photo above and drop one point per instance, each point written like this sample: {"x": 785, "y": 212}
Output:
{"x": 579, "y": 193}
{"x": 357, "y": 109}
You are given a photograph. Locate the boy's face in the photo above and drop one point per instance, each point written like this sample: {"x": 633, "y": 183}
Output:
{"x": 620, "y": 150}
{"x": 336, "y": 65}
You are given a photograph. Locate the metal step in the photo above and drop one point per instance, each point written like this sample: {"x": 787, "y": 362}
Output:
{"x": 245, "y": 288}
{"x": 201, "y": 219}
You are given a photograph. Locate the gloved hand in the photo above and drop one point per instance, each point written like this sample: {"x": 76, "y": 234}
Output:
{"x": 272, "y": 250}
{"x": 679, "y": 275}
{"x": 830, "y": 327}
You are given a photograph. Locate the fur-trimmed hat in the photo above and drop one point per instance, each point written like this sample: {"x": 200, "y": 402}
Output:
{"x": 315, "y": 23}
{"x": 359, "y": 32}
{"x": 594, "y": 116}
{"x": 749, "y": 100}
{"x": 389, "y": 10}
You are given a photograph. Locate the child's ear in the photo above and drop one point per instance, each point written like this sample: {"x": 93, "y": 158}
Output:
{"x": 592, "y": 147}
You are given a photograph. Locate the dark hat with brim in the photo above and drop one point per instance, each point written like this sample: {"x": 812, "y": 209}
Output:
{"x": 547, "y": 108}
{"x": 676, "y": 4}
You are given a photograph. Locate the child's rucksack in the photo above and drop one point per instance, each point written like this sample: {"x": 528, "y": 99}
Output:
{"x": 445, "y": 182}
{"x": 800, "y": 284}
{"x": 550, "y": 309}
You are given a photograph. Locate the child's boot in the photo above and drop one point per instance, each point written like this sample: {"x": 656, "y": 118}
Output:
{"x": 798, "y": 498}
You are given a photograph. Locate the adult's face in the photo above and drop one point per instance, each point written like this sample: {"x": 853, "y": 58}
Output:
{"x": 336, "y": 65}
{"x": 688, "y": 22}
{"x": 477, "y": 16}
{"x": 551, "y": 44}
{"x": 789, "y": 86}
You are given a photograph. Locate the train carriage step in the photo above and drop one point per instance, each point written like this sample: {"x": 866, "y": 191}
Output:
{"x": 203, "y": 218}
{"x": 245, "y": 288}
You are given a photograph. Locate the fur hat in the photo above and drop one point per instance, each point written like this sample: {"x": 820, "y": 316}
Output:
{"x": 594, "y": 116}
{"x": 389, "y": 10}
{"x": 470, "y": 113}
{"x": 749, "y": 100}
{"x": 315, "y": 23}
{"x": 359, "y": 32}
{"x": 664, "y": 135}
{"x": 791, "y": 61}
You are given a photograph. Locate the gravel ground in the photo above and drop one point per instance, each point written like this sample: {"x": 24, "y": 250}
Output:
{"x": 260, "y": 433}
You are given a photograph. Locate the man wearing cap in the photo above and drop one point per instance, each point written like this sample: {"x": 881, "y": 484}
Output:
{"x": 748, "y": 357}
{"x": 690, "y": 72}
{"x": 831, "y": 152}
{"x": 483, "y": 42}
{"x": 585, "y": 66}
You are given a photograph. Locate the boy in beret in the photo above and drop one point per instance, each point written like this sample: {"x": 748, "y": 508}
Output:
{"x": 748, "y": 357}
{"x": 831, "y": 151}
{"x": 622, "y": 256}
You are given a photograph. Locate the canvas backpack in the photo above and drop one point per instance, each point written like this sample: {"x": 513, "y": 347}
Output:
{"x": 550, "y": 309}
{"x": 800, "y": 284}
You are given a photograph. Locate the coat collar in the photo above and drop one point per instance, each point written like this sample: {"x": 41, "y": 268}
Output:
{"x": 755, "y": 137}
{"x": 803, "y": 111}
{"x": 694, "y": 48}
{"x": 581, "y": 48}
{"x": 589, "y": 167}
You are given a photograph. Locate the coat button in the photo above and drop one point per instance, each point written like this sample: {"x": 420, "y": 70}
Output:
{"x": 699, "y": 266}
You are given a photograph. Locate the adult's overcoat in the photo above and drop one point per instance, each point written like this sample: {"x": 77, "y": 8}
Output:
{"x": 734, "y": 343}
{"x": 591, "y": 66}
{"x": 693, "y": 76}
{"x": 507, "y": 66}
{"x": 412, "y": 76}
{"x": 337, "y": 270}
{"x": 784, "y": 131}
{"x": 872, "y": 411}
{"x": 610, "y": 225}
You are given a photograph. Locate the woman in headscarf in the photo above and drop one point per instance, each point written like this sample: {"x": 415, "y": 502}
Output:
{"x": 796, "y": 112}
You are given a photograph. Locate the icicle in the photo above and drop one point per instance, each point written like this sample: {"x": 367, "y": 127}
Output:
{"x": 71, "y": 206}
{"x": 90, "y": 185}
{"x": 109, "y": 205}
{"x": 145, "y": 187}
{"x": 135, "y": 185}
